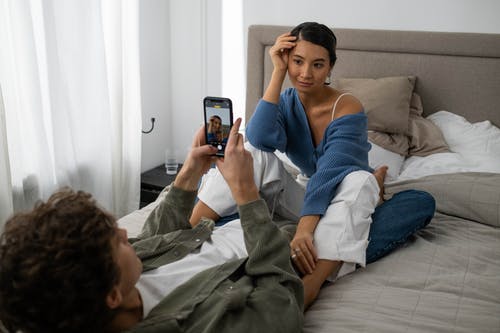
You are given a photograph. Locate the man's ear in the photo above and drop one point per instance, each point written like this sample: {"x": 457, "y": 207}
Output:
{"x": 114, "y": 298}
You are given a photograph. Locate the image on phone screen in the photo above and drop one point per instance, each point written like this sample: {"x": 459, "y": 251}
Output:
{"x": 218, "y": 122}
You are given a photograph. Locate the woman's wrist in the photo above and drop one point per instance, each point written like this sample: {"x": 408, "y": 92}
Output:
{"x": 308, "y": 223}
{"x": 279, "y": 72}
{"x": 272, "y": 93}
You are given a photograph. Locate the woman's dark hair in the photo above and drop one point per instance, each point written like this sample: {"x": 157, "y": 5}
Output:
{"x": 57, "y": 266}
{"x": 318, "y": 34}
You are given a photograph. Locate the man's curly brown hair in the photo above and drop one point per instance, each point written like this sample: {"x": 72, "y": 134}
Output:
{"x": 57, "y": 266}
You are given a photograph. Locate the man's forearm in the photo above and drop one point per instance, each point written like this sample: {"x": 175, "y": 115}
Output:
{"x": 172, "y": 213}
{"x": 265, "y": 243}
{"x": 245, "y": 194}
{"x": 268, "y": 251}
{"x": 186, "y": 181}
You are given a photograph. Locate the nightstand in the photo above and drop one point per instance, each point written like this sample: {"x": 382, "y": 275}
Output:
{"x": 153, "y": 182}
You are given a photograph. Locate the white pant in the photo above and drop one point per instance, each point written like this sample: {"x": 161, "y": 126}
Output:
{"x": 342, "y": 232}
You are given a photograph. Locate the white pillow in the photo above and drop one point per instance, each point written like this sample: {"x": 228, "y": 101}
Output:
{"x": 466, "y": 138}
{"x": 475, "y": 147}
{"x": 379, "y": 156}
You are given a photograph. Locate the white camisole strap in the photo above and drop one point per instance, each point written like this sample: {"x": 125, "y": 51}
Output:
{"x": 335, "y": 104}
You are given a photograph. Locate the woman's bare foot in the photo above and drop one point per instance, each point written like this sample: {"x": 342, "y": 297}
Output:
{"x": 313, "y": 282}
{"x": 311, "y": 289}
{"x": 379, "y": 174}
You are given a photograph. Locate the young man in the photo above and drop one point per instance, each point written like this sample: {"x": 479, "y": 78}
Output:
{"x": 67, "y": 267}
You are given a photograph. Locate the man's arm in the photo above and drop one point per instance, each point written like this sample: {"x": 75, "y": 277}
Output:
{"x": 172, "y": 213}
{"x": 237, "y": 168}
{"x": 174, "y": 210}
{"x": 268, "y": 250}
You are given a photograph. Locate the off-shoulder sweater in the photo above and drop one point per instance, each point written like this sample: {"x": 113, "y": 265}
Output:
{"x": 343, "y": 149}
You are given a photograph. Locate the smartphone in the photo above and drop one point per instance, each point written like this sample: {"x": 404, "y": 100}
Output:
{"x": 218, "y": 113}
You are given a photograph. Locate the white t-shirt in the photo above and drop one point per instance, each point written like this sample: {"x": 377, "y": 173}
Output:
{"x": 226, "y": 243}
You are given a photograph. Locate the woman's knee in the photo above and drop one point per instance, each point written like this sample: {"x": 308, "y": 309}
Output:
{"x": 425, "y": 201}
{"x": 422, "y": 205}
{"x": 397, "y": 219}
{"x": 428, "y": 206}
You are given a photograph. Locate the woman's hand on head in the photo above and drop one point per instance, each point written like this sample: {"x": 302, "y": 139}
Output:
{"x": 280, "y": 50}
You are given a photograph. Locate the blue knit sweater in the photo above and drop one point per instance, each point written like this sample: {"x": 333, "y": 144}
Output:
{"x": 344, "y": 147}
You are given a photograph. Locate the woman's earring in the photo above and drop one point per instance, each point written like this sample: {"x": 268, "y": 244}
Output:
{"x": 328, "y": 80}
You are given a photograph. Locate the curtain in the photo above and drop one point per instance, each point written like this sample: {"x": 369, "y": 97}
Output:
{"x": 6, "y": 206}
{"x": 70, "y": 77}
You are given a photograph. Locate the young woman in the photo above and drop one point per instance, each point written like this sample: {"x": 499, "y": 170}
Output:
{"x": 324, "y": 132}
{"x": 214, "y": 129}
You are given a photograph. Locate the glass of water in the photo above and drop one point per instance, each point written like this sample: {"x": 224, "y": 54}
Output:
{"x": 171, "y": 162}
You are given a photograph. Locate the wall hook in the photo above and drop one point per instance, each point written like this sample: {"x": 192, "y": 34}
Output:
{"x": 152, "y": 126}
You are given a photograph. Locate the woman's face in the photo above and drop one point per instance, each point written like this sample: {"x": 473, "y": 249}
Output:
{"x": 216, "y": 124}
{"x": 308, "y": 66}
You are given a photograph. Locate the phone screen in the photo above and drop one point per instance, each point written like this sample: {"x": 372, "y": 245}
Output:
{"x": 218, "y": 121}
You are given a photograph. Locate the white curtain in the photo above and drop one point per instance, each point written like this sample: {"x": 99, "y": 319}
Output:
{"x": 6, "y": 206}
{"x": 233, "y": 55}
{"x": 70, "y": 79}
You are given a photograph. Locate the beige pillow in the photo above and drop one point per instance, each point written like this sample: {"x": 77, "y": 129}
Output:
{"x": 386, "y": 100}
{"x": 397, "y": 143}
{"x": 424, "y": 136}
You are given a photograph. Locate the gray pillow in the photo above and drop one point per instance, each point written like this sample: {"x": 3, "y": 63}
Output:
{"x": 470, "y": 195}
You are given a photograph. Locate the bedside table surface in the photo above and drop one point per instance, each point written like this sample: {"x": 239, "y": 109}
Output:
{"x": 157, "y": 177}
{"x": 153, "y": 182}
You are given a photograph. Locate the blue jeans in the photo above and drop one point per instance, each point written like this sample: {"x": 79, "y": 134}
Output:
{"x": 393, "y": 222}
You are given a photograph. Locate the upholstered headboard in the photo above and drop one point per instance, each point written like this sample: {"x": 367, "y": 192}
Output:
{"x": 456, "y": 72}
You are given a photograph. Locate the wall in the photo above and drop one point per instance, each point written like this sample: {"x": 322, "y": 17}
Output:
{"x": 423, "y": 15}
{"x": 154, "y": 34}
{"x": 179, "y": 38}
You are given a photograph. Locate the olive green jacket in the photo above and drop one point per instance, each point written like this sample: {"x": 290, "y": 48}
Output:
{"x": 260, "y": 293}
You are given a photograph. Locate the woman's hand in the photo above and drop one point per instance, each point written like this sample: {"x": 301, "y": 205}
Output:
{"x": 304, "y": 253}
{"x": 279, "y": 56}
{"x": 280, "y": 50}
{"x": 380, "y": 174}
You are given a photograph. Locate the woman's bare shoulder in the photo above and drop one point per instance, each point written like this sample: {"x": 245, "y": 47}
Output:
{"x": 346, "y": 104}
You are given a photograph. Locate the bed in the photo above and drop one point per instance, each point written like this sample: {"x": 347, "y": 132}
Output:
{"x": 447, "y": 277}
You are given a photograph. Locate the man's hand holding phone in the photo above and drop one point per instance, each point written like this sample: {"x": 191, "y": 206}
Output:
{"x": 233, "y": 160}
{"x": 198, "y": 162}
{"x": 237, "y": 167}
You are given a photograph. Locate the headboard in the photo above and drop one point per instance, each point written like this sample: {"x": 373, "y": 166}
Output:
{"x": 456, "y": 72}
